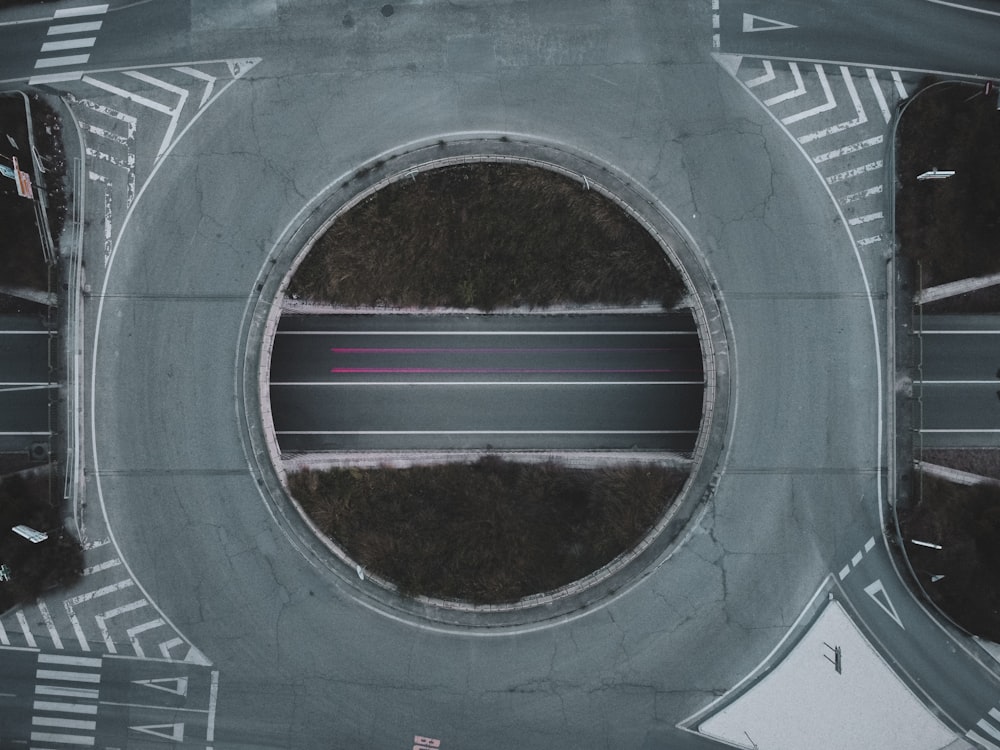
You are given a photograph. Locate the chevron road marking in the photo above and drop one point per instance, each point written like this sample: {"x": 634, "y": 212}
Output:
{"x": 861, "y": 118}
{"x": 799, "y": 90}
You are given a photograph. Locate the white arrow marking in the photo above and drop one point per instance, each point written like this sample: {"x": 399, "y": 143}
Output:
{"x": 874, "y": 590}
{"x": 176, "y": 731}
{"x": 180, "y": 684}
{"x": 750, "y": 24}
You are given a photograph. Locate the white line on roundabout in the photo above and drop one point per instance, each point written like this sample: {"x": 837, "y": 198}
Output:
{"x": 969, "y": 8}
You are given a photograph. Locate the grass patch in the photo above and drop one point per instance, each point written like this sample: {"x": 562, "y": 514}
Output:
{"x": 487, "y": 236}
{"x": 950, "y": 226}
{"x": 965, "y": 521}
{"x": 35, "y": 568}
{"x": 490, "y": 532}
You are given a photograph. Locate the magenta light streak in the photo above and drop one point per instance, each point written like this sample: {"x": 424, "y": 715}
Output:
{"x": 478, "y": 370}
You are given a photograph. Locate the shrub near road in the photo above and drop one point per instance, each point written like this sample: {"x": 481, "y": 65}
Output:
{"x": 489, "y": 532}
{"x": 487, "y": 236}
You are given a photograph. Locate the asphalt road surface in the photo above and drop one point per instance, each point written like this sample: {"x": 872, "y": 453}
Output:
{"x": 211, "y": 132}
{"x": 487, "y": 382}
{"x": 959, "y": 386}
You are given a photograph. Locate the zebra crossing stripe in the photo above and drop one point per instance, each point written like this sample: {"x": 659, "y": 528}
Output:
{"x": 57, "y": 691}
{"x": 73, "y": 661}
{"x": 981, "y": 741}
{"x": 64, "y": 739}
{"x": 26, "y": 629}
{"x": 49, "y": 624}
{"x": 65, "y": 44}
{"x": 988, "y": 728}
{"x": 56, "y": 62}
{"x": 67, "y": 708}
{"x": 879, "y": 96}
{"x": 75, "y": 28}
{"x": 55, "y": 674}
{"x": 82, "y": 10}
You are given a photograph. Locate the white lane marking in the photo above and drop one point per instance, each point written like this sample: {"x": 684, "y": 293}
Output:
{"x": 209, "y": 81}
{"x": 49, "y": 624}
{"x": 75, "y": 28}
{"x": 715, "y": 20}
{"x": 959, "y": 432}
{"x": 112, "y": 563}
{"x": 83, "y": 10}
{"x": 134, "y": 632}
{"x": 995, "y": 714}
{"x": 766, "y": 77}
{"x": 799, "y": 90}
{"x": 861, "y": 195}
{"x": 867, "y": 218}
{"x": 51, "y": 674}
{"x": 487, "y": 432}
{"x": 4, "y": 638}
{"x": 67, "y": 708}
{"x": 61, "y": 723}
{"x": 869, "y": 544}
{"x": 856, "y": 559}
{"x": 167, "y": 645}
{"x": 343, "y": 383}
{"x": 957, "y": 332}
{"x": 23, "y": 622}
{"x": 982, "y": 741}
{"x": 19, "y": 434}
{"x": 69, "y": 605}
{"x": 849, "y": 174}
{"x": 73, "y": 661}
{"x": 213, "y": 697}
{"x": 24, "y": 333}
{"x": 102, "y": 619}
{"x": 844, "y": 571}
{"x": 879, "y": 595}
{"x": 65, "y": 44}
{"x": 859, "y": 110}
{"x": 879, "y": 96}
{"x": 849, "y": 149}
{"x": 62, "y": 739}
{"x": 827, "y": 105}
{"x": 140, "y": 100}
{"x": 965, "y": 7}
{"x": 993, "y": 382}
{"x": 174, "y": 113}
{"x": 988, "y": 728}
{"x": 55, "y": 691}
{"x": 759, "y": 23}
{"x": 900, "y": 88}
{"x": 56, "y": 62}
{"x": 96, "y": 543}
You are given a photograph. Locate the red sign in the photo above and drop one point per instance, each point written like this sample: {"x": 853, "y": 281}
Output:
{"x": 23, "y": 180}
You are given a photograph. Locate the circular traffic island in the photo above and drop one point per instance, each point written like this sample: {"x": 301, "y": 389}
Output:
{"x": 513, "y": 509}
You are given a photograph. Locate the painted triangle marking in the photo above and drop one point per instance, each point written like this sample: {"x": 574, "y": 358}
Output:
{"x": 176, "y": 731}
{"x": 180, "y": 684}
{"x": 759, "y": 23}
{"x": 238, "y": 68}
{"x": 878, "y": 593}
{"x": 731, "y": 63}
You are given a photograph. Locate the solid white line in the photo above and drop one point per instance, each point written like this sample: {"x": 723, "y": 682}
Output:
{"x": 102, "y": 619}
{"x": 849, "y": 149}
{"x": 74, "y": 661}
{"x": 965, "y": 7}
{"x": 75, "y": 28}
{"x": 957, "y": 382}
{"x": 879, "y": 96}
{"x": 979, "y": 740}
{"x": 167, "y": 645}
{"x": 765, "y": 78}
{"x": 103, "y": 591}
{"x": 18, "y": 434}
{"x": 213, "y": 697}
{"x": 867, "y": 218}
{"x": 83, "y": 10}
{"x": 487, "y": 432}
{"x": 56, "y": 691}
{"x": 829, "y": 104}
{"x": 23, "y": 333}
{"x": 140, "y": 100}
{"x": 63, "y": 739}
{"x": 4, "y": 638}
{"x": 132, "y": 634}
{"x": 23, "y": 622}
{"x": 494, "y": 382}
{"x": 988, "y": 728}
{"x": 158, "y": 83}
{"x": 68, "y": 708}
{"x": 52, "y": 674}
{"x": 977, "y": 431}
{"x": 49, "y": 624}
{"x": 956, "y": 332}
{"x": 488, "y": 333}
{"x": 799, "y": 90}
{"x": 55, "y": 62}
{"x": 209, "y": 81}
{"x": 900, "y": 88}
{"x": 65, "y": 44}
{"x": 61, "y": 723}
{"x": 859, "y": 110}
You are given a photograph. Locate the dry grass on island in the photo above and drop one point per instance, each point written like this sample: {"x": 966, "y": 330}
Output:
{"x": 489, "y": 532}
{"x": 487, "y": 236}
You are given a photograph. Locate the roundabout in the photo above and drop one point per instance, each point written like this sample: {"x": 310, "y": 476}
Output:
{"x": 789, "y": 477}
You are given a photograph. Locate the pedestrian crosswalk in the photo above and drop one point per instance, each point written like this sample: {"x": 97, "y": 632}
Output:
{"x": 986, "y": 733}
{"x": 66, "y": 40}
{"x": 106, "y": 613}
{"x": 65, "y": 706}
{"x": 839, "y": 116}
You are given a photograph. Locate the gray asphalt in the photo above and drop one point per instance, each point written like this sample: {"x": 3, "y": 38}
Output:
{"x": 308, "y": 658}
{"x": 958, "y": 385}
{"x": 478, "y": 382}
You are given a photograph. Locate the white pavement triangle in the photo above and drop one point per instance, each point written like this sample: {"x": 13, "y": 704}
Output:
{"x": 176, "y": 731}
{"x": 759, "y": 23}
{"x": 878, "y": 593}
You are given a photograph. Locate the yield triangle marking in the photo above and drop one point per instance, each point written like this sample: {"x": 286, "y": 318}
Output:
{"x": 878, "y": 593}
{"x": 731, "y": 63}
{"x": 759, "y": 23}
{"x": 238, "y": 68}
{"x": 180, "y": 684}
{"x": 176, "y": 731}
{"x": 194, "y": 656}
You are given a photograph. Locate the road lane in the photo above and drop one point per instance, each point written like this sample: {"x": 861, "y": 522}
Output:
{"x": 457, "y": 382}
